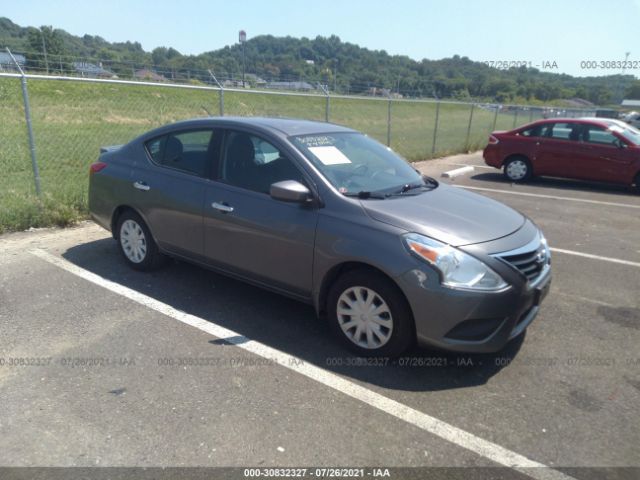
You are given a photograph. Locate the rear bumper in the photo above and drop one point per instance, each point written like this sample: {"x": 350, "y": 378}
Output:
{"x": 466, "y": 321}
{"x": 491, "y": 156}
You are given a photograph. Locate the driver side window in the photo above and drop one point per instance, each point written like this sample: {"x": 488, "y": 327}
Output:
{"x": 252, "y": 163}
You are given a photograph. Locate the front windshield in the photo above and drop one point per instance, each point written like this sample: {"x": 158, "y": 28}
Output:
{"x": 630, "y": 133}
{"x": 356, "y": 164}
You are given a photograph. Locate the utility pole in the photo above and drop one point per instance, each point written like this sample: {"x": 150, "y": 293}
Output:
{"x": 44, "y": 51}
{"x": 243, "y": 39}
{"x": 624, "y": 67}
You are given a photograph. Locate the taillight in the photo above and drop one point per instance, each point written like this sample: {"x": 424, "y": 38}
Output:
{"x": 96, "y": 167}
{"x": 493, "y": 140}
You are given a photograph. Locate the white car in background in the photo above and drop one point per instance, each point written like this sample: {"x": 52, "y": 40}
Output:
{"x": 633, "y": 119}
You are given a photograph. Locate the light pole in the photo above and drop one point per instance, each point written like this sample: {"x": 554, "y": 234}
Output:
{"x": 242, "y": 36}
{"x": 44, "y": 51}
{"x": 624, "y": 67}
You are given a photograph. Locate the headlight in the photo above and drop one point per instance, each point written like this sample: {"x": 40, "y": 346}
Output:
{"x": 545, "y": 246}
{"x": 458, "y": 269}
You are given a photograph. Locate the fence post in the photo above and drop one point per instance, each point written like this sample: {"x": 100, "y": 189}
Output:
{"x": 389, "y": 122}
{"x": 495, "y": 118}
{"x": 515, "y": 117}
{"x": 435, "y": 129}
{"x": 27, "y": 115}
{"x": 220, "y": 92}
{"x": 466, "y": 143}
{"x": 326, "y": 104}
{"x": 326, "y": 109}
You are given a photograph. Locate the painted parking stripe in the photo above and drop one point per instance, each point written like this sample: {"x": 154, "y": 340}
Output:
{"x": 455, "y": 435}
{"x": 553, "y": 197}
{"x": 595, "y": 257}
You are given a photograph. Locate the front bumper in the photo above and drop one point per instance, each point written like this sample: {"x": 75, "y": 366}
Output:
{"x": 470, "y": 321}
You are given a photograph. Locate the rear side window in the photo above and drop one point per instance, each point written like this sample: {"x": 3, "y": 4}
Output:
{"x": 535, "y": 131}
{"x": 190, "y": 152}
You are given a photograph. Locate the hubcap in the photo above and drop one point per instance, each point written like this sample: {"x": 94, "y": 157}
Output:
{"x": 364, "y": 317}
{"x": 517, "y": 170}
{"x": 133, "y": 241}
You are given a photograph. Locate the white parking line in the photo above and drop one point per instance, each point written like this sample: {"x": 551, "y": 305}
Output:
{"x": 595, "y": 257}
{"x": 430, "y": 424}
{"x": 553, "y": 197}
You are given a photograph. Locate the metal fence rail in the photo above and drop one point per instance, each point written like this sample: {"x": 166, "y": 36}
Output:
{"x": 53, "y": 126}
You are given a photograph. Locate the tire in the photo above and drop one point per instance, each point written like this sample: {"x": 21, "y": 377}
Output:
{"x": 394, "y": 324}
{"x": 136, "y": 243}
{"x": 636, "y": 183}
{"x": 518, "y": 169}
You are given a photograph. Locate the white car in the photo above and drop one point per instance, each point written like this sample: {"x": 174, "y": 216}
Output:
{"x": 633, "y": 119}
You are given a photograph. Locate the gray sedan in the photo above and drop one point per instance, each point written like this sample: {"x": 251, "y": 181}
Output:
{"x": 328, "y": 216}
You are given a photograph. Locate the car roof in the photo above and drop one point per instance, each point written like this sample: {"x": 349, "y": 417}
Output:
{"x": 603, "y": 122}
{"x": 286, "y": 126}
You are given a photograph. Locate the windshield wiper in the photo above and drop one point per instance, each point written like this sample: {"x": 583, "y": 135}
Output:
{"x": 364, "y": 194}
{"x": 428, "y": 183}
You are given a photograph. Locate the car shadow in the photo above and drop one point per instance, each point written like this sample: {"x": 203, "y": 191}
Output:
{"x": 285, "y": 324}
{"x": 560, "y": 184}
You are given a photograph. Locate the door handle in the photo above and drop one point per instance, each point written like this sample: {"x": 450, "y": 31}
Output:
{"x": 222, "y": 207}
{"x": 141, "y": 186}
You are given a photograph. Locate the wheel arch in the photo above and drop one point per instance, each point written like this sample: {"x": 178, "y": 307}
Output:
{"x": 340, "y": 269}
{"x": 118, "y": 211}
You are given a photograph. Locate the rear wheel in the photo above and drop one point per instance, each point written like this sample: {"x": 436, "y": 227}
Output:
{"x": 518, "y": 169}
{"x": 370, "y": 315}
{"x": 136, "y": 243}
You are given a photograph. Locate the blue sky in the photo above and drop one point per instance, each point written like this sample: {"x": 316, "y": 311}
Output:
{"x": 565, "y": 32}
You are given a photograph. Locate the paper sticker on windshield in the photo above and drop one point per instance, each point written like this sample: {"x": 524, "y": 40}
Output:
{"x": 329, "y": 155}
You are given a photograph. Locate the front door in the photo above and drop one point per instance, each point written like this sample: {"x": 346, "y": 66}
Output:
{"x": 249, "y": 233}
{"x": 556, "y": 149}
{"x": 604, "y": 157}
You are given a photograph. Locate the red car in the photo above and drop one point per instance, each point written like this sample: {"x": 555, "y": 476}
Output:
{"x": 597, "y": 149}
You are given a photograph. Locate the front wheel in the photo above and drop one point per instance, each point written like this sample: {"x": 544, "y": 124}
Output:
{"x": 136, "y": 243}
{"x": 518, "y": 169}
{"x": 370, "y": 315}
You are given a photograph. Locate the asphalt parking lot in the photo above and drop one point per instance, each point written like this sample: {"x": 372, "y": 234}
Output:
{"x": 104, "y": 366}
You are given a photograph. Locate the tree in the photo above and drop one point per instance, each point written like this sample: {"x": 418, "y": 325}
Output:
{"x": 633, "y": 91}
{"x": 45, "y": 44}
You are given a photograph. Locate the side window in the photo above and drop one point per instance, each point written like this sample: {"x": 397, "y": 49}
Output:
{"x": 190, "y": 151}
{"x": 535, "y": 131}
{"x": 253, "y": 163}
{"x": 565, "y": 131}
{"x": 155, "y": 148}
{"x": 599, "y": 135}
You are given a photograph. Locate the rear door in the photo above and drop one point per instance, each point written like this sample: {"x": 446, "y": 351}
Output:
{"x": 246, "y": 231}
{"x": 169, "y": 189}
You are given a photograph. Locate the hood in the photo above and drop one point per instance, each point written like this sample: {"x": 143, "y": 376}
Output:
{"x": 448, "y": 214}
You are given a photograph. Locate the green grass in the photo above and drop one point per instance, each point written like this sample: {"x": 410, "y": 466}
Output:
{"x": 72, "y": 120}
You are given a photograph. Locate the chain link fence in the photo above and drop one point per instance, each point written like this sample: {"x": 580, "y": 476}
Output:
{"x": 71, "y": 118}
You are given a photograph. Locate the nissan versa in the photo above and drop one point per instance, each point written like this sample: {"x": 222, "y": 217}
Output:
{"x": 326, "y": 215}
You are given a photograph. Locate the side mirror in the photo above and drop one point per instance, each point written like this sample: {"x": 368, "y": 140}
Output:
{"x": 290, "y": 191}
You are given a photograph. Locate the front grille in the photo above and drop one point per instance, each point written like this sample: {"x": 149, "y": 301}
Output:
{"x": 529, "y": 263}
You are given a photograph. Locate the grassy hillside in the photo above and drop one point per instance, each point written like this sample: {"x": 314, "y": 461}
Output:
{"x": 71, "y": 120}
{"x": 343, "y": 66}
